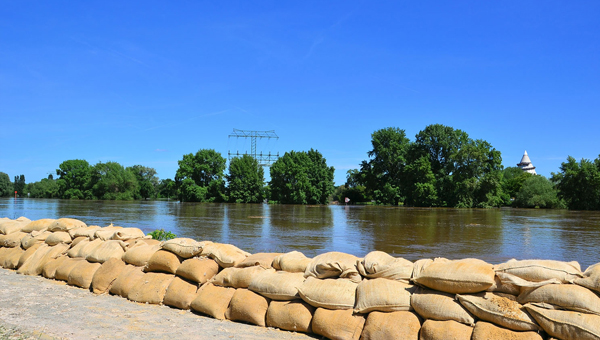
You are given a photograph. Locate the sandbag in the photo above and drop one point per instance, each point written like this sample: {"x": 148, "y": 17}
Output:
{"x": 63, "y": 271}
{"x": 440, "y": 306}
{"x": 328, "y": 293}
{"x": 163, "y": 261}
{"x": 387, "y": 326}
{"x": 87, "y": 249}
{"x": 12, "y": 240}
{"x": 151, "y": 288}
{"x": 12, "y": 226}
{"x": 30, "y": 265}
{"x": 106, "y": 233}
{"x": 198, "y": 270}
{"x": 86, "y": 232}
{"x": 58, "y": 237}
{"x": 566, "y": 325}
{"x": 591, "y": 278}
{"x": 248, "y": 306}
{"x": 49, "y": 269}
{"x": 487, "y": 331}
{"x": 567, "y": 296}
{"x": 82, "y": 274}
{"x": 378, "y": 264}
{"x": 293, "y": 262}
{"x": 124, "y": 234}
{"x": 106, "y": 251}
{"x": 383, "y": 295}
{"x": 332, "y": 265}
{"x": 34, "y": 237}
{"x": 238, "y": 277}
{"x": 264, "y": 260}
{"x": 456, "y": 276}
{"x": 445, "y": 330}
{"x": 38, "y": 225}
{"x": 76, "y": 249}
{"x": 541, "y": 270}
{"x": 129, "y": 277}
{"x": 226, "y": 255}
{"x": 295, "y": 316}
{"x": 505, "y": 287}
{"x": 337, "y": 324}
{"x": 106, "y": 275}
{"x": 180, "y": 293}
{"x": 77, "y": 240}
{"x": 498, "y": 310}
{"x": 66, "y": 224}
{"x": 277, "y": 285}
{"x": 28, "y": 253}
{"x": 10, "y": 259}
{"x": 140, "y": 254}
{"x": 184, "y": 247}
{"x": 213, "y": 300}
{"x": 35, "y": 264}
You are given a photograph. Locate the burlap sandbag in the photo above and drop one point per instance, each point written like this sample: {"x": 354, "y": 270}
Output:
{"x": 49, "y": 270}
{"x": 277, "y": 285}
{"x": 456, "y": 276}
{"x": 198, "y": 270}
{"x": 86, "y": 249}
{"x": 238, "y": 277}
{"x": 10, "y": 259}
{"x": 184, "y": 247}
{"x": 151, "y": 288}
{"x": 82, "y": 274}
{"x": 295, "y": 316}
{"x": 87, "y": 232}
{"x": 106, "y": 233}
{"x": 129, "y": 277}
{"x": 34, "y": 237}
{"x": 28, "y": 253}
{"x": 567, "y": 296}
{"x": 58, "y": 237}
{"x": 445, "y": 330}
{"x": 259, "y": 259}
{"x": 213, "y": 300}
{"x": 13, "y": 226}
{"x": 77, "y": 240}
{"x": 337, "y": 324}
{"x": 498, "y": 310}
{"x": 66, "y": 224}
{"x": 249, "y": 307}
{"x": 163, "y": 261}
{"x": 487, "y": 331}
{"x": 38, "y": 225}
{"x": 3, "y": 254}
{"x": 76, "y": 249}
{"x": 106, "y": 275}
{"x": 63, "y": 271}
{"x": 332, "y": 265}
{"x": 127, "y": 234}
{"x": 35, "y": 264}
{"x": 293, "y": 262}
{"x": 387, "y": 326}
{"x": 12, "y": 240}
{"x": 180, "y": 293}
{"x": 591, "y": 278}
{"x": 566, "y": 325}
{"x": 140, "y": 254}
{"x": 378, "y": 264}
{"x": 383, "y": 295}
{"x": 226, "y": 255}
{"x": 504, "y": 287}
{"x": 440, "y": 306}
{"x": 328, "y": 293}
{"x": 541, "y": 270}
{"x": 107, "y": 251}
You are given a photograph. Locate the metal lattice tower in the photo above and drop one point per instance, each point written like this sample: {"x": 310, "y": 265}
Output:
{"x": 263, "y": 160}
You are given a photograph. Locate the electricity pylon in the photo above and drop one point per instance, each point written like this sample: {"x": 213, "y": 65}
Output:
{"x": 263, "y": 160}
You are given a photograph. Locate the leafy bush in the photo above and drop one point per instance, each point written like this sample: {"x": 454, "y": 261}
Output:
{"x": 162, "y": 235}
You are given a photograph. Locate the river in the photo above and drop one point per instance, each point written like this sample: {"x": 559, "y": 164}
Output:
{"x": 493, "y": 235}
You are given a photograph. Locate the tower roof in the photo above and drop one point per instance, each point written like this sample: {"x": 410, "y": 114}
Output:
{"x": 525, "y": 159}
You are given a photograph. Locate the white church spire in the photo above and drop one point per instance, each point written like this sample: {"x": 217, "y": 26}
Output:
{"x": 526, "y": 165}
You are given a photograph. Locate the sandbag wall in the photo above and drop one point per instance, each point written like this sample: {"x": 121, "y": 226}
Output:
{"x": 335, "y": 295}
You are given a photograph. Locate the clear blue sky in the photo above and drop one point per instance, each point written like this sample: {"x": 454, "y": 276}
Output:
{"x": 146, "y": 82}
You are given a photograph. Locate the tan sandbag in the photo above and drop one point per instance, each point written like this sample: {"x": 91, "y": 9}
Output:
{"x": 148, "y": 241}
{"x": 498, "y": 310}
{"x": 28, "y": 253}
{"x": 140, "y": 254}
{"x": 82, "y": 274}
{"x": 198, "y": 270}
{"x": 129, "y": 277}
{"x": 10, "y": 259}
{"x": 293, "y": 262}
{"x": 456, "y": 276}
{"x": 180, "y": 293}
{"x": 503, "y": 287}
{"x": 38, "y": 225}
{"x": 264, "y": 260}
{"x": 248, "y": 306}
{"x": 58, "y": 237}
{"x": 66, "y": 224}
{"x": 163, "y": 261}
{"x": 36, "y": 262}
{"x": 34, "y": 237}
{"x": 541, "y": 270}
{"x": 151, "y": 288}
{"x": 49, "y": 270}
{"x": 378, "y": 264}
{"x": 213, "y": 300}
{"x": 226, "y": 255}
{"x": 77, "y": 240}
{"x": 85, "y": 232}
{"x": 328, "y": 293}
{"x": 125, "y": 234}
{"x": 184, "y": 247}
{"x": 387, "y": 326}
{"x": 295, "y": 316}
{"x": 85, "y": 250}
{"x": 277, "y": 285}
{"x": 566, "y": 325}
{"x": 567, "y": 296}
{"x": 76, "y": 249}
{"x": 487, "y": 331}
{"x": 445, "y": 330}
{"x": 238, "y": 277}
{"x": 106, "y": 233}
{"x": 12, "y": 240}
{"x": 106, "y": 275}
{"x": 383, "y": 295}
{"x": 337, "y": 324}
{"x": 106, "y": 251}
{"x": 12, "y": 226}
{"x": 334, "y": 264}
{"x": 63, "y": 271}
{"x": 591, "y": 278}
{"x": 440, "y": 306}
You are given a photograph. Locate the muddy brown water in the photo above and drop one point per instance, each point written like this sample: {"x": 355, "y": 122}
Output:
{"x": 493, "y": 235}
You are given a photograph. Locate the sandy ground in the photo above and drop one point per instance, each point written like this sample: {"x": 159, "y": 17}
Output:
{"x": 32, "y": 307}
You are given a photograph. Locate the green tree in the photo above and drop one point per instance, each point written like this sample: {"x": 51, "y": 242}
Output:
{"x": 147, "y": 180}
{"x": 422, "y": 190}
{"x": 111, "y": 181}
{"x": 538, "y": 192}
{"x": 19, "y": 185}
{"x": 167, "y": 188}
{"x": 579, "y": 183}
{"x": 246, "y": 180}
{"x": 301, "y": 178}
{"x": 46, "y": 188}
{"x": 200, "y": 177}
{"x": 512, "y": 180}
{"x": 6, "y": 186}
{"x": 74, "y": 179}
